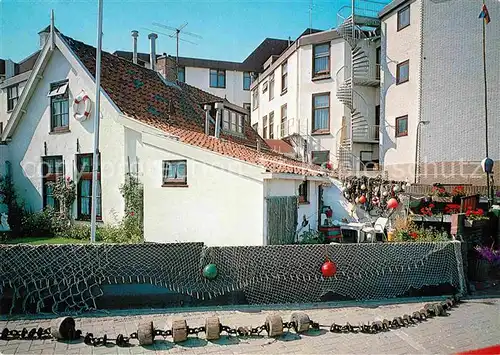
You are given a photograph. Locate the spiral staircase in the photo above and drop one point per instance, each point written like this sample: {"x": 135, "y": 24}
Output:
{"x": 354, "y": 29}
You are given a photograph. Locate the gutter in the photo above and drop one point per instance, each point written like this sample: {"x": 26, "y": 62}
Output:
{"x": 420, "y": 89}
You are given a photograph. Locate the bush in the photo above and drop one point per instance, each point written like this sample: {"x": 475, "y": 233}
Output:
{"x": 46, "y": 223}
{"x": 311, "y": 237}
{"x": 405, "y": 230}
{"x": 78, "y": 231}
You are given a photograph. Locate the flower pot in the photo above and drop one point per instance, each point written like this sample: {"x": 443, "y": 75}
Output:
{"x": 478, "y": 223}
{"x": 479, "y": 270}
{"x": 445, "y": 199}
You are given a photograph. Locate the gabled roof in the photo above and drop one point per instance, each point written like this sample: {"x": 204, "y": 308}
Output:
{"x": 175, "y": 108}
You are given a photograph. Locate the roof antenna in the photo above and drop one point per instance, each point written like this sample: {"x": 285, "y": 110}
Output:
{"x": 310, "y": 16}
{"x": 52, "y": 38}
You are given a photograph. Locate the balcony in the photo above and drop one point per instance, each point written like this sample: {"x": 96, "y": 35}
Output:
{"x": 369, "y": 135}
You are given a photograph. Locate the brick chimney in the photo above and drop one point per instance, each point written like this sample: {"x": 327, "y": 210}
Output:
{"x": 166, "y": 66}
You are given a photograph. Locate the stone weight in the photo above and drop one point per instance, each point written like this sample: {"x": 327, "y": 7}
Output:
{"x": 212, "y": 328}
{"x": 274, "y": 325}
{"x": 145, "y": 333}
{"x": 179, "y": 330}
{"x": 63, "y": 328}
{"x": 301, "y": 322}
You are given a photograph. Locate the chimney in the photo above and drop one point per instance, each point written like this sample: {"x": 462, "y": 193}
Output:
{"x": 135, "y": 34}
{"x": 10, "y": 69}
{"x": 152, "y": 38}
{"x": 207, "y": 109}
{"x": 219, "y": 106}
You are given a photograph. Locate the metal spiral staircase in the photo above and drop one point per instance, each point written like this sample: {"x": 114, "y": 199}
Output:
{"x": 355, "y": 29}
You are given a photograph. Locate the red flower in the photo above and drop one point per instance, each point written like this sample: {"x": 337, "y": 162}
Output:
{"x": 414, "y": 235}
{"x": 479, "y": 212}
{"x": 431, "y": 205}
{"x": 132, "y": 214}
{"x": 468, "y": 213}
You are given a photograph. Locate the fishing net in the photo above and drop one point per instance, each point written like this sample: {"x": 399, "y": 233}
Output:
{"x": 71, "y": 277}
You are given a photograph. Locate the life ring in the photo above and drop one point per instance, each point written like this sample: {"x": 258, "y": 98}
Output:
{"x": 82, "y": 116}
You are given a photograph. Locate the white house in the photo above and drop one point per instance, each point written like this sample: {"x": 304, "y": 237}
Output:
{"x": 205, "y": 179}
{"x": 230, "y": 80}
{"x": 433, "y": 90}
{"x": 322, "y": 94}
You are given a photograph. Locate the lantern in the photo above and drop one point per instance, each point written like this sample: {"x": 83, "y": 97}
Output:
{"x": 392, "y": 203}
{"x": 210, "y": 271}
{"x": 363, "y": 187}
{"x": 487, "y": 165}
{"x": 362, "y": 199}
{"x": 328, "y": 269}
{"x": 384, "y": 193}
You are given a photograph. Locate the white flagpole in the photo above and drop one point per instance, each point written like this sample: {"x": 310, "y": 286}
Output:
{"x": 96, "y": 123}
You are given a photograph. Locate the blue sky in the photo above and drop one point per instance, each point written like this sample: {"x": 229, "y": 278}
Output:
{"x": 231, "y": 29}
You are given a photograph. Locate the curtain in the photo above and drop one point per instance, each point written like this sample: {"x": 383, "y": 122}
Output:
{"x": 321, "y": 112}
{"x": 85, "y": 193}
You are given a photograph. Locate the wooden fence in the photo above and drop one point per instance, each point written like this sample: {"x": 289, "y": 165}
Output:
{"x": 469, "y": 190}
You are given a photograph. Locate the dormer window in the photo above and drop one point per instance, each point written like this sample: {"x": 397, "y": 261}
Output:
{"x": 232, "y": 122}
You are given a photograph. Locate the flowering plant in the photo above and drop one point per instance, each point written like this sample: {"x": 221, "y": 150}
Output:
{"x": 440, "y": 191}
{"x": 475, "y": 215}
{"x": 458, "y": 191}
{"x": 452, "y": 208}
{"x": 488, "y": 253}
{"x": 427, "y": 211}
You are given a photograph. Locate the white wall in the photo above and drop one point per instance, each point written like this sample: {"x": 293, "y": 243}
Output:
{"x": 221, "y": 205}
{"x": 402, "y": 99}
{"x": 289, "y": 187}
{"x": 4, "y": 114}
{"x": 27, "y": 146}
{"x": 200, "y": 78}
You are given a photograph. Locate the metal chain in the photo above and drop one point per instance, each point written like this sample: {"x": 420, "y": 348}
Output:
{"x": 34, "y": 333}
{"x": 429, "y": 311}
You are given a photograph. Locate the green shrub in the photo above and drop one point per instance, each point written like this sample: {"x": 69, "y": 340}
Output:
{"x": 80, "y": 231}
{"x": 311, "y": 237}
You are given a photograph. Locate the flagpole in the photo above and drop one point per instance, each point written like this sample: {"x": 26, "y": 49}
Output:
{"x": 95, "y": 162}
{"x": 485, "y": 102}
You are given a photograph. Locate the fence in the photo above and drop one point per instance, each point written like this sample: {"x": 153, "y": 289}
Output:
{"x": 71, "y": 277}
{"x": 469, "y": 190}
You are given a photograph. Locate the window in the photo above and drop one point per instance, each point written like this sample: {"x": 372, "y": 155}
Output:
{"x": 377, "y": 63}
{"x": 321, "y": 113}
{"x": 321, "y": 60}
{"x": 174, "y": 173}
{"x": 271, "y": 125}
{"x": 404, "y": 18}
{"x": 319, "y": 157}
{"x": 247, "y": 80}
{"x": 255, "y": 98}
{"x": 283, "y": 121}
{"x": 303, "y": 187}
{"x": 59, "y": 106}
{"x": 401, "y": 126}
{"x": 12, "y": 97}
{"x": 232, "y": 121}
{"x": 271, "y": 87}
{"x": 264, "y": 87}
{"x": 52, "y": 169}
{"x": 181, "y": 74}
{"x": 84, "y": 166}
{"x": 255, "y": 126}
{"x": 247, "y": 106}
{"x": 264, "y": 127}
{"x": 403, "y": 72}
{"x": 218, "y": 78}
{"x": 377, "y": 122}
{"x": 284, "y": 77}
{"x": 1, "y": 128}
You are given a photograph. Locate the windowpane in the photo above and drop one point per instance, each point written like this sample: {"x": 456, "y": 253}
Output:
{"x": 271, "y": 125}
{"x": 222, "y": 79}
{"x": 247, "y": 80}
{"x": 181, "y": 170}
{"x": 403, "y": 72}
{"x": 402, "y": 126}
{"x": 320, "y": 157}
{"x": 403, "y": 18}
{"x": 225, "y": 119}
{"x": 181, "y": 76}
{"x": 271, "y": 87}
{"x": 175, "y": 172}
{"x": 264, "y": 127}
{"x": 233, "y": 121}
{"x": 321, "y": 101}
{"x": 213, "y": 78}
{"x": 321, "y": 49}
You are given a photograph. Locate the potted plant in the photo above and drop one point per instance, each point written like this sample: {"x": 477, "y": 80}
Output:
{"x": 486, "y": 259}
{"x": 475, "y": 217}
{"x": 457, "y": 193}
{"x": 439, "y": 194}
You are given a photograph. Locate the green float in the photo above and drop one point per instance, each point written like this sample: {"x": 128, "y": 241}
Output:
{"x": 210, "y": 271}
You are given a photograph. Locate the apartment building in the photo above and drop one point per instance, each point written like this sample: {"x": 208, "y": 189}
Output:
{"x": 433, "y": 91}
{"x": 230, "y": 80}
{"x": 321, "y": 95}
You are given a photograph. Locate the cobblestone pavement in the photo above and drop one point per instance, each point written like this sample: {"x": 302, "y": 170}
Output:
{"x": 474, "y": 324}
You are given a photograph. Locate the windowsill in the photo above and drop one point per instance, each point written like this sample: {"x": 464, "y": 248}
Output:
{"x": 321, "y": 133}
{"x": 174, "y": 185}
{"x": 246, "y": 89}
{"x": 284, "y": 92}
{"x": 320, "y": 77}
{"x": 402, "y": 28}
{"x": 217, "y": 87}
{"x": 60, "y": 131}
{"x": 402, "y": 135}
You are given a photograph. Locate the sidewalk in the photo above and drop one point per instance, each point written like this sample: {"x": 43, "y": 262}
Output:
{"x": 473, "y": 324}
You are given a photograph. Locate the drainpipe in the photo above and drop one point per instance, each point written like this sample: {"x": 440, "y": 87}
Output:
{"x": 219, "y": 106}
{"x": 419, "y": 83}
{"x": 207, "y": 118}
{"x": 135, "y": 34}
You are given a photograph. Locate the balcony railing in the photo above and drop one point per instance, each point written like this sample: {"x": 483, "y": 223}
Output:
{"x": 372, "y": 134}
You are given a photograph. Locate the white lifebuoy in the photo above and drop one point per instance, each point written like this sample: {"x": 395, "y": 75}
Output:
{"x": 87, "y": 104}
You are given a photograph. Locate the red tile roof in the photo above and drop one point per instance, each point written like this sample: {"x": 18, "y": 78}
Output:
{"x": 279, "y": 146}
{"x": 176, "y": 108}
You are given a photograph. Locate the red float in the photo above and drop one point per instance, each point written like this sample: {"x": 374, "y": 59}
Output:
{"x": 392, "y": 203}
{"x": 362, "y": 199}
{"x": 328, "y": 269}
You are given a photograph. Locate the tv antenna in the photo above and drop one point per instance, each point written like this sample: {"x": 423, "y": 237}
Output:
{"x": 176, "y": 34}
